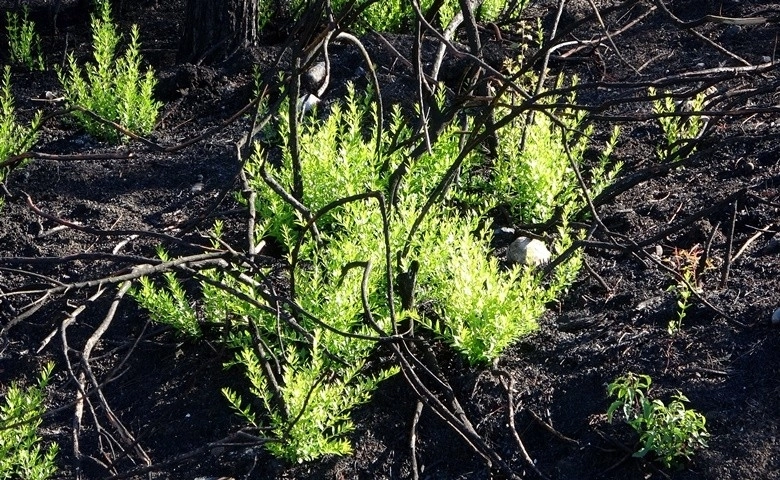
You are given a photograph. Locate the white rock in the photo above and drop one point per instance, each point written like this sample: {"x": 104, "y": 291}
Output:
{"x": 306, "y": 103}
{"x": 527, "y": 251}
{"x": 776, "y": 317}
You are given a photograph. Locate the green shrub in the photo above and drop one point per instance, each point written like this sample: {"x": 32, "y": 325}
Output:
{"x": 533, "y": 175}
{"x": 672, "y": 432}
{"x": 388, "y": 15}
{"x": 14, "y": 137}
{"x": 677, "y": 130}
{"x": 21, "y": 454}
{"x": 24, "y": 43}
{"x": 113, "y": 86}
{"x": 304, "y": 351}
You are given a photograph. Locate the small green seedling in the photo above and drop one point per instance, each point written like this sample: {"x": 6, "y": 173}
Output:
{"x": 686, "y": 263}
{"x": 672, "y": 432}
{"x": 677, "y": 130}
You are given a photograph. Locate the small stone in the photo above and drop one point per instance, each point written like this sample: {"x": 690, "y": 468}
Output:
{"x": 316, "y": 74}
{"x": 527, "y": 251}
{"x": 306, "y": 103}
{"x": 776, "y": 317}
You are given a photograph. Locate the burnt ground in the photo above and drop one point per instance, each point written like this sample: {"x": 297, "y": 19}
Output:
{"x": 166, "y": 391}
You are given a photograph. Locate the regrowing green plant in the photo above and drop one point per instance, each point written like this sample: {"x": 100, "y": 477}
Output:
{"x": 113, "y": 86}
{"x": 21, "y": 452}
{"x": 305, "y": 351}
{"x": 389, "y": 15}
{"x": 686, "y": 263}
{"x": 672, "y": 432}
{"x": 15, "y": 138}
{"x": 677, "y": 130}
{"x": 168, "y": 306}
{"x": 24, "y": 43}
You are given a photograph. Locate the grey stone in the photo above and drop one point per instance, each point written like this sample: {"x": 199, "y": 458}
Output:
{"x": 527, "y": 251}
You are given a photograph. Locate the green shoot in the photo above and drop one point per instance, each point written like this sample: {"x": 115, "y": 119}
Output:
{"x": 112, "y": 87}
{"x": 21, "y": 453}
{"x": 671, "y": 432}
{"x": 24, "y": 43}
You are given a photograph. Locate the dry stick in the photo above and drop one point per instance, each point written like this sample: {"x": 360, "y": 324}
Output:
{"x": 27, "y": 313}
{"x": 750, "y": 240}
{"x": 692, "y": 218}
{"x": 11, "y": 161}
{"x": 429, "y": 79}
{"x": 292, "y": 138}
{"x": 702, "y": 263}
{"x": 81, "y": 394}
{"x": 418, "y": 73}
{"x": 724, "y": 277}
{"x": 458, "y": 53}
{"x": 550, "y": 429}
{"x": 447, "y": 34}
{"x": 74, "y": 258}
{"x": 453, "y": 419}
{"x": 692, "y": 288}
{"x": 582, "y": 44}
{"x": 546, "y": 60}
{"x": 272, "y": 373}
{"x": 413, "y": 439}
{"x": 677, "y": 21}
{"x": 509, "y": 384}
{"x": 100, "y": 232}
{"x": 128, "y": 439}
{"x": 199, "y": 452}
{"x": 609, "y": 37}
{"x": 375, "y": 79}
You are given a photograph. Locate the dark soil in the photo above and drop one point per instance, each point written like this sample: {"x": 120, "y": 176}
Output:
{"x": 166, "y": 392}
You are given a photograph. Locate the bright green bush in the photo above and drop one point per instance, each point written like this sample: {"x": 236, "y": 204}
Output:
{"x": 24, "y": 43}
{"x": 21, "y": 453}
{"x": 304, "y": 351}
{"x": 533, "y": 175}
{"x": 113, "y": 86}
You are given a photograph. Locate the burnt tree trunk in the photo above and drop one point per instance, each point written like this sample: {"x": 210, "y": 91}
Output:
{"x": 214, "y": 30}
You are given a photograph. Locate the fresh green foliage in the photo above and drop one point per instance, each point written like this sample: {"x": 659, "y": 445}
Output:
{"x": 533, "y": 174}
{"x": 338, "y": 161}
{"x": 14, "y": 137}
{"x": 168, "y": 306}
{"x": 21, "y": 453}
{"x": 677, "y": 130}
{"x": 305, "y": 351}
{"x": 23, "y": 41}
{"x": 113, "y": 86}
{"x": 492, "y": 307}
{"x": 389, "y": 15}
{"x": 672, "y": 432}
{"x": 317, "y": 400}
